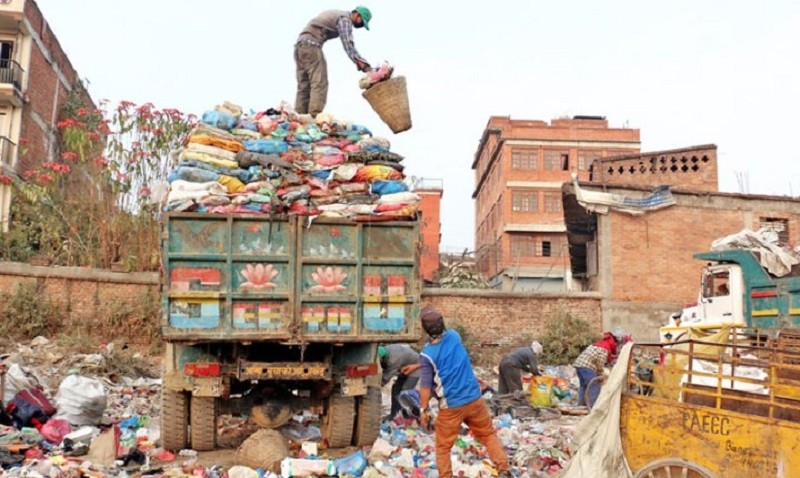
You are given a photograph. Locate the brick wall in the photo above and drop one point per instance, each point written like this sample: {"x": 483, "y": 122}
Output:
{"x": 694, "y": 167}
{"x": 431, "y": 231}
{"x": 91, "y": 299}
{"x": 501, "y": 318}
{"x": 650, "y": 256}
{"x": 50, "y": 77}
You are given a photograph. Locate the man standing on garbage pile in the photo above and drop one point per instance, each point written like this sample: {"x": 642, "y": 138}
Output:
{"x": 447, "y": 373}
{"x": 592, "y": 360}
{"x": 520, "y": 360}
{"x": 395, "y": 359}
{"x": 311, "y": 68}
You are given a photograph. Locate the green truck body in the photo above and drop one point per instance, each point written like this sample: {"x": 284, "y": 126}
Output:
{"x": 280, "y": 314}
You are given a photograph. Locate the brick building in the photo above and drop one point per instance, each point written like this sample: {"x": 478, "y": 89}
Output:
{"x": 430, "y": 192}
{"x": 693, "y": 167}
{"x": 641, "y": 264}
{"x": 35, "y": 78}
{"x": 520, "y": 165}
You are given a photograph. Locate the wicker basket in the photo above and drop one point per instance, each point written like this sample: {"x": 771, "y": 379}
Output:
{"x": 390, "y": 100}
{"x": 264, "y": 449}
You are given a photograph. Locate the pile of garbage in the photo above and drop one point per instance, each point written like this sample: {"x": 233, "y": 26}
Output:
{"x": 281, "y": 162}
{"x": 74, "y": 415}
{"x": 93, "y": 421}
{"x": 536, "y": 449}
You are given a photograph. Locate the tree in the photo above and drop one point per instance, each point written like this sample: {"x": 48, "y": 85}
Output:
{"x": 96, "y": 205}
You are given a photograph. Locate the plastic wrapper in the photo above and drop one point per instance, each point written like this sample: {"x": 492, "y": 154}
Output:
{"x": 295, "y": 467}
{"x": 219, "y": 120}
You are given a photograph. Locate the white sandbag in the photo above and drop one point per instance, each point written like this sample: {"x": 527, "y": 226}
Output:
{"x": 399, "y": 198}
{"x": 81, "y": 400}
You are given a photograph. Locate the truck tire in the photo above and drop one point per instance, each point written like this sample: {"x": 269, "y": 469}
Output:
{"x": 174, "y": 420}
{"x": 203, "y": 423}
{"x": 673, "y": 467}
{"x": 368, "y": 417}
{"x": 337, "y": 424}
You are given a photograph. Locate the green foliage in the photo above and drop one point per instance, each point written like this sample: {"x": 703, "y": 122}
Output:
{"x": 564, "y": 339}
{"x": 26, "y": 313}
{"x": 94, "y": 206}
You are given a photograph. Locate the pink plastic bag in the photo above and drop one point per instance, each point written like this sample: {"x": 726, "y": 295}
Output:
{"x": 55, "y": 430}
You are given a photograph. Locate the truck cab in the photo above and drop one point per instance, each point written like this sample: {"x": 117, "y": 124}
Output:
{"x": 735, "y": 289}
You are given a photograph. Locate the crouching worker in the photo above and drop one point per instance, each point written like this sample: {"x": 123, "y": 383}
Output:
{"x": 447, "y": 373}
{"x": 590, "y": 363}
{"x": 401, "y": 361}
{"x": 514, "y": 364}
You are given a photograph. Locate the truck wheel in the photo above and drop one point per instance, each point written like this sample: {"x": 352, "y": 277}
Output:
{"x": 203, "y": 418}
{"x": 272, "y": 414}
{"x": 174, "y": 420}
{"x": 673, "y": 467}
{"x": 368, "y": 417}
{"x": 337, "y": 424}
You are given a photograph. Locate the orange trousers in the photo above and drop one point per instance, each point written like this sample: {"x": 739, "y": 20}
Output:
{"x": 476, "y": 416}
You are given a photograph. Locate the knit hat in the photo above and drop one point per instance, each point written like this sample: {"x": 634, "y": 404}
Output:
{"x": 382, "y": 351}
{"x": 537, "y": 347}
{"x": 432, "y": 322}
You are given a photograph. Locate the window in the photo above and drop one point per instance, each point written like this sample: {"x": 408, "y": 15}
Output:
{"x": 552, "y": 202}
{"x": 524, "y": 201}
{"x": 524, "y": 159}
{"x": 716, "y": 285}
{"x": 8, "y": 72}
{"x": 779, "y": 225}
{"x": 524, "y": 246}
{"x": 585, "y": 159}
{"x": 546, "y": 248}
{"x": 556, "y": 160}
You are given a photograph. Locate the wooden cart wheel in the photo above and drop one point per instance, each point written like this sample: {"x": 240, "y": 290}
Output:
{"x": 673, "y": 468}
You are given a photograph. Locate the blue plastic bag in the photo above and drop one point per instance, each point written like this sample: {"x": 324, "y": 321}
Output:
{"x": 388, "y": 187}
{"x": 353, "y": 465}
{"x": 266, "y": 146}
{"x": 219, "y": 120}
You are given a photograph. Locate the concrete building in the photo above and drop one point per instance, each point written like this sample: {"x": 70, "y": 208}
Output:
{"x": 641, "y": 264}
{"x": 35, "y": 78}
{"x": 430, "y": 192}
{"x": 520, "y": 165}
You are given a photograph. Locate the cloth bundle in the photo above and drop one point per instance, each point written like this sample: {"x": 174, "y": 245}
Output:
{"x": 279, "y": 162}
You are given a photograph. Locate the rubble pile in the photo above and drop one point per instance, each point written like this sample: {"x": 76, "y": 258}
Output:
{"x": 280, "y": 162}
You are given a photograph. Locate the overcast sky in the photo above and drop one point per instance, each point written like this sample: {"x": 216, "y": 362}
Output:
{"x": 684, "y": 72}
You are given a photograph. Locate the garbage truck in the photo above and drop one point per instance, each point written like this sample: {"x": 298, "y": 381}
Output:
{"x": 736, "y": 290}
{"x": 270, "y": 316}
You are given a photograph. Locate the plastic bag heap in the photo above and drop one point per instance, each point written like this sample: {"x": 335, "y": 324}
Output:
{"x": 279, "y": 162}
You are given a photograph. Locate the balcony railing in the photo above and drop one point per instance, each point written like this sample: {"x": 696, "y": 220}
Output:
{"x": 11, "y": 73}
{"x": 7, "y": 148}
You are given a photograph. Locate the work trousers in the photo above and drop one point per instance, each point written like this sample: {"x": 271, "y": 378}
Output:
{"x": 585, "y": 377}
{"x": 312, "y": 79}
{"x": 402, "y": 382}
{"x": 510, "y": 379}
{"x": 476, "y": 416}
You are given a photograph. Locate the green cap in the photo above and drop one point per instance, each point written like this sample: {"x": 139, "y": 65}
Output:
{"x": 382, "y": 351}
{"x": 366, "y": 15}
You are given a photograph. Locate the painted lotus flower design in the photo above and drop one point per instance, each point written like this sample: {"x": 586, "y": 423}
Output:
{"x": 259, "y": 276}
{"x": 328, "y": 279}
